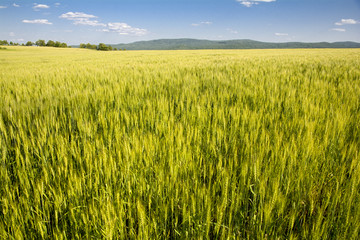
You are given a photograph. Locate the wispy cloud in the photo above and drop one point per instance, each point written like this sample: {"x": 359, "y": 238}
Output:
{"x": 37, "y": 21}
{"x": 347, "y": 22}
{"x": 281, "y": 34}
{"x": 89, "y": 22}
{"x": 124, "y": 29}
{"x": 3, "y": 7}
{"x": 338, "y": 29}
{"x": 15, "y": 5}
{"x": 11, "y": 34}
{"x": 201, "y": 23}
{"x": 57, "y": 4}
{"x": 232, "y": 31}
{"x": 37, "y": 7}
{"x": 80, "y": 18}
{"x": 250, "y": 3}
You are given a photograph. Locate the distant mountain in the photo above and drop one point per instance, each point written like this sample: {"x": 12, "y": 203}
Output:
{"x": 185, "y": 43}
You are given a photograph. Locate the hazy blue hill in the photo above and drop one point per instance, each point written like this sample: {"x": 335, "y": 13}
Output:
{"x": 185, "y": 43}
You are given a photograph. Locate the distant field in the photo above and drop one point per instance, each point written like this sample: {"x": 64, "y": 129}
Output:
{"x": 217, "y": 144}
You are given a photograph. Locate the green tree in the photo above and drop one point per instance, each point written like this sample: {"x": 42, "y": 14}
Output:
{"x": 29, "y": 43}
{"x": 57, "y": 44}
{"x": 4, "y": 42}
{"x": 103, "y": 47}
{"x": 40, "y": 43}
{"x": 90, "y": 46}
{"x": 63, "y": 45}
{"x": 83, "y": 45}
{"x": 50, "y": 43}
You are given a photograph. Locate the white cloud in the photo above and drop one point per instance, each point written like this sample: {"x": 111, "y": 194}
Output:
{"x": 20, "y": 40}
{"x": 38, "y": 21}
{"x": 339, "y": 29}
{"x": 250, "y": 3}
{"x": 11, "y": 34}
{"x": 2, "y": 7}
{"x": 281, "y": 34}
{"x": 37, "y": 7}
{"x": 201, "y": 23}
{"x": 57, "y": 4}
{"x": 15, "y": 5}
{"x": 80, "y": 18}
{"x": 76, "y": 16}
{"x": 347, "y": 21}
{"x": 247, "y": 4}
{"x": 124, "y": 29}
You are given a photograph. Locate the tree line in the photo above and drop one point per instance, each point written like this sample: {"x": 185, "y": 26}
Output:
{"x": 51, "y": 43}
{"x": 39, "y": 43}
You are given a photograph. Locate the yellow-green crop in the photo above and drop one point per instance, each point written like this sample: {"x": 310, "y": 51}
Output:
{"x": 235, "y": 144}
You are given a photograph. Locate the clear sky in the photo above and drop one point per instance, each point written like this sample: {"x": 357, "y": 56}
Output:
{"x": 123, "y": 21}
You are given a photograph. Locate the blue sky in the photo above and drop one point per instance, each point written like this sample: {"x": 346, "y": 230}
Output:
{"x": 123, "y": 21}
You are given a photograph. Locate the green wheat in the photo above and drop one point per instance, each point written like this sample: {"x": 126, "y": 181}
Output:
{"x": 216, "y": 144}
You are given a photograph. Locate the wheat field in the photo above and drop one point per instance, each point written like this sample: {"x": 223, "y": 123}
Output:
{"x": 207, "y": 144}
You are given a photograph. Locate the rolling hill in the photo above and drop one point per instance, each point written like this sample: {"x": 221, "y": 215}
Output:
{"x": 185, "y": 43}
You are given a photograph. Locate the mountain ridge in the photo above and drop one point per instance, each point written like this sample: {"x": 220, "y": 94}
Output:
{"x": 194, "y": 44}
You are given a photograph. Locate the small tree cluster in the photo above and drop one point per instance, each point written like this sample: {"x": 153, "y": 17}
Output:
{"x": 103, "y": 47}
{"x": 59, "y": 44}
{"x": 88, "y": 46}
{"x": 40, "y": 43}
{"x": 100, "y": 47}
{"x": 51, "y": 43}
{"x": 13, "y": 44}
{"x": 4, "y": 42}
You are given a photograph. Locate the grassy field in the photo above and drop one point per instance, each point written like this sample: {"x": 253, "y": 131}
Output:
{"x": 236, "y": 144}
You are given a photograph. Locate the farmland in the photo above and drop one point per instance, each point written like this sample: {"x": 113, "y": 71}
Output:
{"x": 218, "y": 144}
